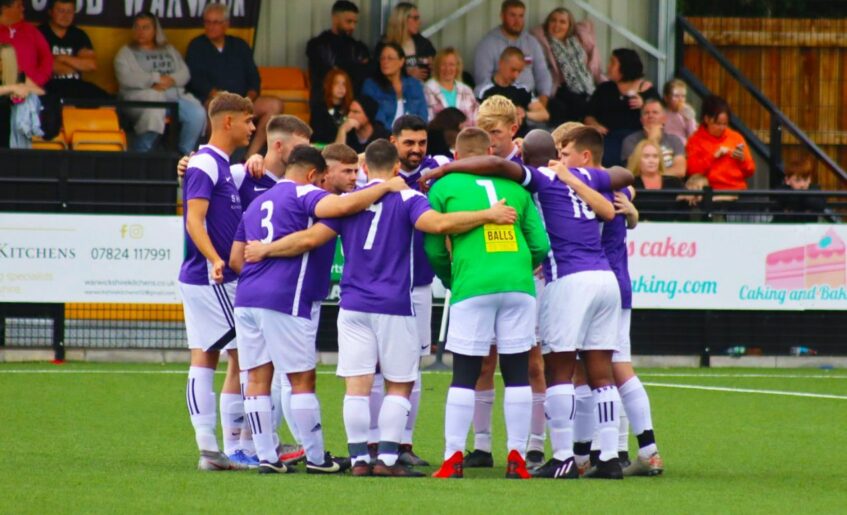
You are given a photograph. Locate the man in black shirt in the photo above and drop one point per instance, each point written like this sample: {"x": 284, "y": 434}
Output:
{"x": 72, "y": 53}
{"x": 337, "y": 48}
{"x": 504, "y": 83}
{"x": 219, "y": 62}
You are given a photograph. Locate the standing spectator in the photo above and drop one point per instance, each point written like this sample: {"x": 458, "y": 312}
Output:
{"x": 681, "y": 118}
{"x": 395, "y": 92}
{"x": 330, "y": 109}
{"x": 799, "y": 209}
{"x": 504, "y": 83}
{"x": 404, "y": 28}
{"x": 361, "y": 127}
{"x": 653, "y": 121}
{"x": 336, "y": 48}
{"x": 446, "y": 89}
{"x": 219, "y": 62}
{"x": 615, "y": 106}
{"x": 12, "y": 92}
{"x": 574, "y": 64}
{"x": 647, "y": 165}
{"x": 718, "y": 152}
{"x": 34, "y": 58}
{"x": 73, "y": 53}
{"x": 510, "y": 33}
{"x": 151, "y": 70}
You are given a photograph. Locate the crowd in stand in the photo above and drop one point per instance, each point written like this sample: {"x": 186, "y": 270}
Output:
{"x": 552, "y": 73}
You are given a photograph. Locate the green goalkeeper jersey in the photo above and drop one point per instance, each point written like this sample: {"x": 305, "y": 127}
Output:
{"x": 491, "y": 258}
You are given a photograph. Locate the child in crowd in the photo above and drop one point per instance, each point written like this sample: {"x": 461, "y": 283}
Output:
{"x": 799, "y": 208}
{"x": 681, "y": 120}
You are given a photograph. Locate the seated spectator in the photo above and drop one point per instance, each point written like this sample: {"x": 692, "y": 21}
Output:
{"x": 446, "y": 89}
{"x": 395, "y": 92}
{"x": 336, "y": 48}
{"x": 647, "y": 165}
{"x": 503, "y": 83}
{"x": 535, "y": 77}
{"x": 718, "y": 152}
{"x": 219, "y": 62}
{"x": 799, "y": 209}
{"x": 614, "y": 108}
{"x": 574, "y": 65}
{"x": 681, "y": 120}
{"x": 404, "y": 28}
{"x": 442, "y": 131}
{"x": 73, "y": 53}
{"x": 653, "y": 120}
{"x": 33, "y": 55}
{"x": 361, "y": 126}
{"x": 12, "y": 94}
{"x": 151, "y": 70}
{"x": 330, "y": 109}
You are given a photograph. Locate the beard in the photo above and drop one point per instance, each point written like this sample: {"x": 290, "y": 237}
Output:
{"x": 411, "y": 161}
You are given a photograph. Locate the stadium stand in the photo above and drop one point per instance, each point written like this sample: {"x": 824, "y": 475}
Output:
{"x": 291, "y": 85}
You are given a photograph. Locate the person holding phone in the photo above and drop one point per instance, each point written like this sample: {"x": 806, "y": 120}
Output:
{"x": 718, "y": 152}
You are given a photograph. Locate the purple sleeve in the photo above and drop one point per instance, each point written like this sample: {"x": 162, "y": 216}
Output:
{"x": 416, "y": 206}
{"x": 197, "y": 184}
{"x": 627, "y": 192}
{"x": 600, "y": 181}
{"x": 239, "y": 232}
{"x": 533, "y": 179}
{"x": 332, "y": 223}
{"x": 311, "y": 199}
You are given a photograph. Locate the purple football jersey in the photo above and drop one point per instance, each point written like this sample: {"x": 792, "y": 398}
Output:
{"x": 515, "y": 156}
{"x": 378, "y": 256}
{"x": 288, "y": 285}
{"x": 573, "y": 227}
{"x": 249, "y": 187}
{"x": 208, "y": 177}
{"x": 614, "y": 245}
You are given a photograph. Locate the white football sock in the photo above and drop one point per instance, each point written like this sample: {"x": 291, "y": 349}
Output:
{"x": 258, "y": 410}
{"x": 607, "y": 409}
{"x": 414, "y": 400}
{"x": 637, "y": 405}
{"x": 375, "y": 404}
{"x": 200, "y": 398}
{"x": 285, "y": 401}
{"x": 245, "y": 441}
{"x": 232, "y": 417}
{"x": 559, "y": 406}
{"x": 483, "y": 408}
{"x": 623, "y": 432}
{"x": 537, "y": 425}
{"x": 517, "y": 408}
{"x": 583, "y": 428}
{"x": 392, "y": 420}
{"x": 357, "y": 420}
{"x": 306, "y": 412}
{"x": 276, "y": 399}
{"x": 458, "y": 415}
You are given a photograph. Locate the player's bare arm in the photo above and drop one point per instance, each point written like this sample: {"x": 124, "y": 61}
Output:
{"x": 597, "y": 202}
{"x": 195, "y": 225}
{"x": 625, "y": 207}
{"x": 620, "y": 177}
{"x": 255, "y": 166}
{"x": 433, "y": 222}
{"x": 291, "y": 245}
{"x": 236, "y": 257}
{"x": 477, "y": 165}
{"x": 335, "y": 206}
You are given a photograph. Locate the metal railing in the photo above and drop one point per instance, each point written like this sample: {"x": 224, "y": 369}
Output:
{"x": 771, "y": 152}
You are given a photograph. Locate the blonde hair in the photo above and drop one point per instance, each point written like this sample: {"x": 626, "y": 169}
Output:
{"x": 8, "y": 65}
{"x": 671, "y": 85}
{"x": 226, "y": 102}
{"x": 560, "y": 133}
{"x": 634, "y": 161}
{"x": 439, "y": 57}
{"x": 397, "y": 32}
{"x": 496, "y": 109}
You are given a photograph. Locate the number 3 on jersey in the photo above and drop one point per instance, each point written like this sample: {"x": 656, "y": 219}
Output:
{"x": 376, "y": 209}
{"x": 268, "y": 208}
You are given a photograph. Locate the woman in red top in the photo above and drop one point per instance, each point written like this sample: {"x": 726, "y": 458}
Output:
{"x": 718, "y": 152}
{"x": 35, "y": 59}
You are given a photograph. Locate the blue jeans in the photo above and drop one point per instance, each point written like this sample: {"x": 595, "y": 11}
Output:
{"x": 192, "y": 119}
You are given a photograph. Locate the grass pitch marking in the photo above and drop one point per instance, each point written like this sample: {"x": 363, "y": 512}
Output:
{"x": 747, "y": 390}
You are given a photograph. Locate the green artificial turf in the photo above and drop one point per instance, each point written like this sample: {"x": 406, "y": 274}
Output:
{"x": 115, "y": 438}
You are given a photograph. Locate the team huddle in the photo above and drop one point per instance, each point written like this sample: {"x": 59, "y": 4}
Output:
{"x": 530, "y": 239}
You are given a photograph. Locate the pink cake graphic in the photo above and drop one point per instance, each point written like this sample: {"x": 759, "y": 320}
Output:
{"x": 801, "y": 267}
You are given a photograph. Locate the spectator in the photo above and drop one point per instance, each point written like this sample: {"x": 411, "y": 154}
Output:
{"x": 73, "y": 53}
{"x": 151, "y": 70}
{"x": 681, "y": 120}
{"x": 535, "y": 76}
{"x": 361, "y": 126}
{"x": 443, "y": 130}
{"x": 336, "y": 48}
{"x": 503, "y": 83}
{"x": 219, "y": 62}
{"x": 404, "y": 28}
{"x": 12, "y": 92}
{"x": 718, "y": 152}
{"x": 395, "y": 92}
{"x": 799, "y": 209}
{"x": 653, "y": 120}
{"x": 574, "y": 65}
{"x": 647, "y": 165}
{"x": 446, "y": 89}
{"x": 33, "y": 55}
{"x": 330, "y": 109}
{"x": 615, "y": 105}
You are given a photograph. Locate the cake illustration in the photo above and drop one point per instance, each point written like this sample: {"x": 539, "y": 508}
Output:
{"x": 801, "y": 267}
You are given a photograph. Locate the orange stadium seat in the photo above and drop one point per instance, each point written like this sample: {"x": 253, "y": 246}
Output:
{"x": 57, "y": 143}
{"x": 291, "y": 85}
{"x": 93, "y": 129}
{"x": 100, "y": 141}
